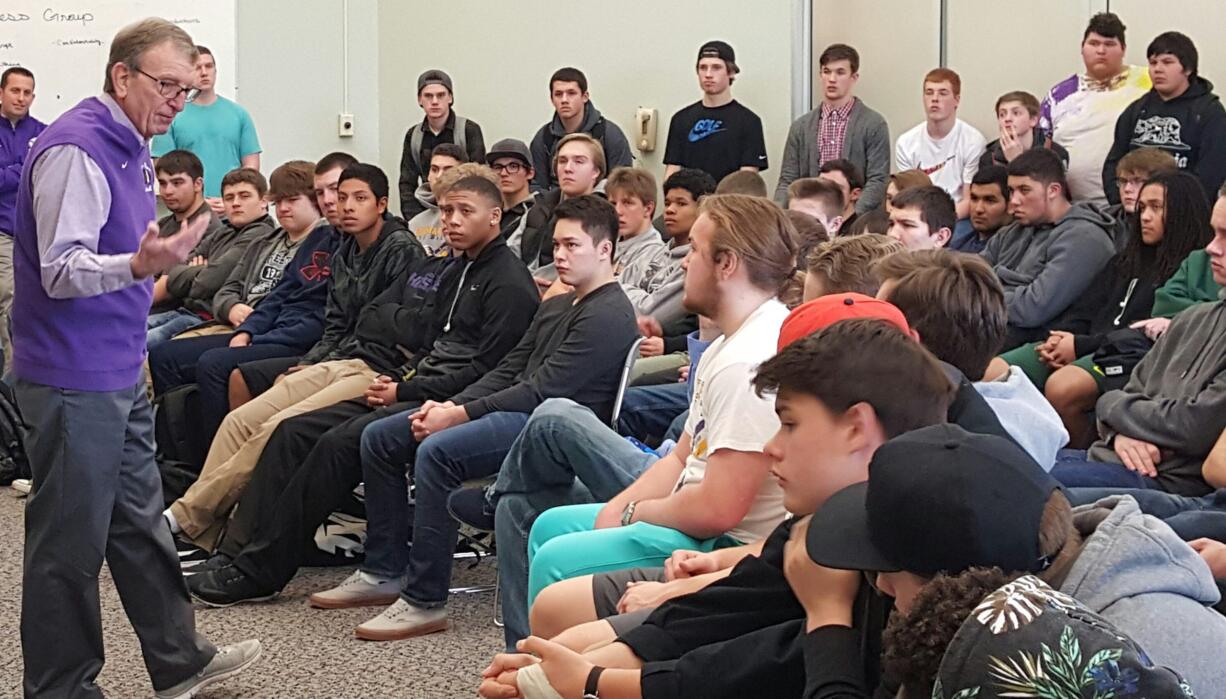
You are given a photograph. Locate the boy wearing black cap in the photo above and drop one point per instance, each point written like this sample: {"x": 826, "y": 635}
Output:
{"x": 717, "y": 134}
{"x": 512, "y": 162}
{"x": 942, "y": 500}
{"x": 440, "y": 125}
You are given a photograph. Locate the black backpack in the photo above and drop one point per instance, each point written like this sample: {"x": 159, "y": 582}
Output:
{"x": 13, "y": 461}
{"x": 181, "y": 444}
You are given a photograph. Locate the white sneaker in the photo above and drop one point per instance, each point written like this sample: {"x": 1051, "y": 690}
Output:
{"x": 403, "y": 620}
{"x": 358, "y": 590}
{"x": 229, "y": 661}
{"x": 22, "y": 487}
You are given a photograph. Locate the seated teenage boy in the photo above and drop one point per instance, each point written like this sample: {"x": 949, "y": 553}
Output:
{"x": 575, "y": 348}
{"x": 939, "y": 500}
{"x": 286, "y": 322}
{"x": 339, "y": 367}
{"x": 1052, "y": 253}
{"x": 742, "y": 636}
{"x": 663, "y": 321}
{"x": 742, "y": 252}
{"x": 821, "y": 198}
{"x": 1158, "y": 429}
{"x": 187, "y": 290}
{"x": 312, "y": 461}
{"x": 922, "y": 218}
{"x": 957, "y": 307}
{"x": 989, "y": 197}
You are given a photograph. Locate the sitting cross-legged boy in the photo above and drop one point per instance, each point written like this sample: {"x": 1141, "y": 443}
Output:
{"x": 1156, "y": 431}
{"x": 575, "y": 348}
{"x": 276, "y": 303}
{"x": 1052, "y": 253}
{"x": 956, "y": 306}
{"x": 339, "y": 367}
{"x": 187, "y": 290}
{"x": 1173, "y": 223}
{"x": 742, "y": 636}
{"x": 941, "y": 500}
{"x": 457, "y": 331}
{"x": 743, "y": 252}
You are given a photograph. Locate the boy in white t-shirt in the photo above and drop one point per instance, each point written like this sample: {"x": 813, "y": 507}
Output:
{"x": 715, "y": 489}
{"x": 944, "y": 147}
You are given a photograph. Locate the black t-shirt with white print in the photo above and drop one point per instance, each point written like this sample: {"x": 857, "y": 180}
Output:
{"x": 717, "y": 140}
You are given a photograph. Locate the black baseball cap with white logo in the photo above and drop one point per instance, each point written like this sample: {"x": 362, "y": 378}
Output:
{"x": 720, "y": 50}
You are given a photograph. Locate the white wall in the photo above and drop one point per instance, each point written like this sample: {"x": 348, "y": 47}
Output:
{"x": 290, "y": 76}
{"x": 634, "y": 52}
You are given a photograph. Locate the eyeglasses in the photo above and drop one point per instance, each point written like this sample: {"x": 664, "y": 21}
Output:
{"x": 171, "y": 90}
{"x": 514, "y": 167}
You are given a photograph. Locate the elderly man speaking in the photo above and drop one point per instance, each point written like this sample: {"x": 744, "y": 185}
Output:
{"x": 86, "y": 249}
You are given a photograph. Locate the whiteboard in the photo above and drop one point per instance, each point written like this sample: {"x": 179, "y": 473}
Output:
{"x": 66, "y": 45}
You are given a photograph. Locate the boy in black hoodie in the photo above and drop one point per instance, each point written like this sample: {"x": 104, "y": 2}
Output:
{"x": 463, "y": 313}
{"x": 375, "y": 251}
{"x": 1180, "y": 115}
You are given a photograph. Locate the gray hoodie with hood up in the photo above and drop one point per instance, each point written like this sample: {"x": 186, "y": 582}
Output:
{"x": 427, "y": 226}
{"x": 1139, "y": 575}
{"x": 1045, "y": 268}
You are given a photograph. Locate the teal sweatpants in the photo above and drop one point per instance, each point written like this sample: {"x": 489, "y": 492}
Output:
{"x": 564, "y": 545}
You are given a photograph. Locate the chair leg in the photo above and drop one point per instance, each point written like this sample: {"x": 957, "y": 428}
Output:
{"x": 498, "y": 597}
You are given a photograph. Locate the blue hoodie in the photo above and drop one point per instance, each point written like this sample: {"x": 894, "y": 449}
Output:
{"x": 292, "y": 314}
{"x": 15, "y": 143}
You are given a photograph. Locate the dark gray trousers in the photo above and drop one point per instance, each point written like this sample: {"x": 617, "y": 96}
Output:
{"x": 97, "y": 495}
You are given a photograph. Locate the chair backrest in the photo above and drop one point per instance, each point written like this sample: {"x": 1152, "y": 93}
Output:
{"x": 624, "y": 383}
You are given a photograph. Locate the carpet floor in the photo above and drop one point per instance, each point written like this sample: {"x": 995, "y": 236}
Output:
{"x": 307, "y": 652}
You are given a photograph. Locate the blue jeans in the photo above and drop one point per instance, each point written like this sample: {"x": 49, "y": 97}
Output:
{"x": 648, "y": 411}
{"x": 1074, "y": 470}
{"x": 1191, "y": 518}
{"x": 441, "y": 463}
{"x": 163, "y": 326}
{"x": 564, "y": 456}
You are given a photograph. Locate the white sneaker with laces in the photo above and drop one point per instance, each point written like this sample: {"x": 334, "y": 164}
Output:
{"x": 358, "y": 590}
{"x": 229, "y": 661}
{"x": 403, "y": 620}
{"x": 22, "y": 487}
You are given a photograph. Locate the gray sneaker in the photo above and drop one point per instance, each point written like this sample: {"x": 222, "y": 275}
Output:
{"x": 229, "y": 661}
{"x": 358, "y": 590}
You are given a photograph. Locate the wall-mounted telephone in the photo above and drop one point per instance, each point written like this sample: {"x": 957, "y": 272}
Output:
{"x": 645, "y": 137}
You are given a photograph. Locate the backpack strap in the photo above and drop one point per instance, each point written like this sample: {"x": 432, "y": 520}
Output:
{"x": 461, "y": 132}
{"x": 415, "y": 137}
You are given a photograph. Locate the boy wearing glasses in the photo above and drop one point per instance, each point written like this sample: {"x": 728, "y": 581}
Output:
{"x": 219, "y": 131}
{"x": 512, "y": 161}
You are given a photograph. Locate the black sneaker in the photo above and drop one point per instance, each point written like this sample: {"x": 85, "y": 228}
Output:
{"x": 225, "y": 587}
{"x": 189, "y": 553}
{"x": 470, "y": 506}
{"x": 214, "y": 562}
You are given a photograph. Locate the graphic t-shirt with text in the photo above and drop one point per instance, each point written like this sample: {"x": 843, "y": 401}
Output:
{"x": 717, "y": 140}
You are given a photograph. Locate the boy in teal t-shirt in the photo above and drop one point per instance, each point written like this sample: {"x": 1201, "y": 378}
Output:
{"x": 219, "y": 131}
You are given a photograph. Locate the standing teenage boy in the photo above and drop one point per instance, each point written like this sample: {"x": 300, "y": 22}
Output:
{"x": 1017, "y": 116}
{"x": 1180, "y": 115}
{"x": 1080, "y": 111}
{"x": 716, "y": 134}
{"x": 439, "y": 125}
{"x": 85, "y": 247}
{"x": 943, "y": 146}
{"x": 575, "y": 348}
{"x": 842, "y": 127}
{"x": 219, "y": 131}
{"x": 573, "y": 112}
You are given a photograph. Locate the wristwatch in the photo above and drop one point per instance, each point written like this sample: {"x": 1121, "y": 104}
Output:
{"x": 591, "y": 690}
{"x": 628, "y": 513}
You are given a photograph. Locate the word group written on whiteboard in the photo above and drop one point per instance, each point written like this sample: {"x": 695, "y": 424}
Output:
{"x": 49, "y": 14}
